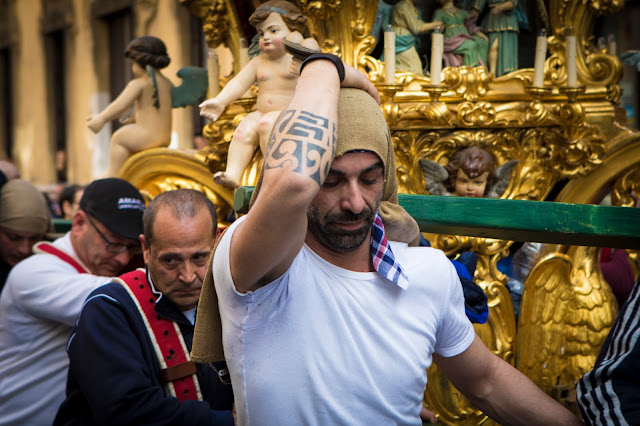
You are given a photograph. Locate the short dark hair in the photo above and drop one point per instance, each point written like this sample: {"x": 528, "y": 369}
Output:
{"x": 68, "y": 194}
{"x": 182, "y": 203}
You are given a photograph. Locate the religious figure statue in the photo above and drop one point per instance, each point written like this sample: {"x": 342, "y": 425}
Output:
{"x": 153, "y": 97}
{"x": 631, "y": 57}
{"x": 406, "y": 23}
{"x": 470, "y": 173}
{"x": 274, "y": 20}
{"x": 501, "y": 25}
{"x": 464, "y": 42}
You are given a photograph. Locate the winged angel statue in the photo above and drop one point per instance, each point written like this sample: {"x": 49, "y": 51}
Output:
{"x": 470, "y": 173}
{"x": 152, "y": 97}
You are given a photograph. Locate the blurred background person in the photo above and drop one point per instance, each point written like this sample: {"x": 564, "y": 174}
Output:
{"x": 8, "y": 171}
{"x": 69, "y": 200}
{"x": 24, "y": 220}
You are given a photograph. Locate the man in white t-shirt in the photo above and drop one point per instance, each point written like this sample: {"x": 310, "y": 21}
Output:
{"x": 329, "y": 314}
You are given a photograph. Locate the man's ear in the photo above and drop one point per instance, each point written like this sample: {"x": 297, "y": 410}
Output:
{"x": 79, "y": 221}
{"x": 145, "y": 248}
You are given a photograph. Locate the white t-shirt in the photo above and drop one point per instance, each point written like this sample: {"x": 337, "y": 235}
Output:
{"x": 40, "y": 302}
{"x": 323, "y": 345}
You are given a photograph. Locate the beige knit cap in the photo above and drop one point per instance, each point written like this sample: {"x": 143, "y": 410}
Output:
{"x": 23, "y": 208}
{"x": 361, "y": 126}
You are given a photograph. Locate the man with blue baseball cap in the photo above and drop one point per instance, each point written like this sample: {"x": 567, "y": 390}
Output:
{"x": 44, "y": 295}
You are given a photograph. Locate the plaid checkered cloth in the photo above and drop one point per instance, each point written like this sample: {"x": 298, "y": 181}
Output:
{"x": 383, "y": 259}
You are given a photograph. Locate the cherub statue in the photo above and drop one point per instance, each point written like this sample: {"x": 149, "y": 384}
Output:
{"x": 470, "y": 173}
{"x": 274, "y": 20}
{"x": 153, "y": 96}
{"x": 631, "y": 57}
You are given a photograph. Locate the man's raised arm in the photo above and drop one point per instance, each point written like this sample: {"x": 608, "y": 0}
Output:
{"x": 297, "y": 161}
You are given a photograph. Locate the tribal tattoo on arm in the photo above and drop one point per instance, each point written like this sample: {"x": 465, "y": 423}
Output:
{"x": 304, "y": 143}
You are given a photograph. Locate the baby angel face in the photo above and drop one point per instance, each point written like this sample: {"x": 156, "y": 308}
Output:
{"x": 272, "y": 30}
{"x": 467, "y": 186}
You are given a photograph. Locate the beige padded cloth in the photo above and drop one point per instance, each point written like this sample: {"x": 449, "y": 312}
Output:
{"x": 361, "y": 126}
{"x": 23, "y": 208}
{"x": 207, "y": 337}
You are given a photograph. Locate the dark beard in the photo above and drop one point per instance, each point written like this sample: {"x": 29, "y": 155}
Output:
{"x": 340, "y": 240}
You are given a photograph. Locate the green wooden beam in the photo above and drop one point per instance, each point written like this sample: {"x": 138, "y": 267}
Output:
{"x": 515, "y": 220}
{"x": 61, "y": 226}
{"x": 521, "y": 220}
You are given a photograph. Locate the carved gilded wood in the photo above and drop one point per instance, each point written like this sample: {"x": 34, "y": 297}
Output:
{"x": 555, "y": 134}
{"x": 161, "y": 169}
{"x": 566, "y": 312}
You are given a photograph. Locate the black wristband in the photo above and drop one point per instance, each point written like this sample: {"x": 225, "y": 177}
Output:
{"x": 333, "y": 58}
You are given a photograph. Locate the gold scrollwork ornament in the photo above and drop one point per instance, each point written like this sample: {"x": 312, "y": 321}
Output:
{"x": 320, "y": 9}
{"x": 468, "y": 82}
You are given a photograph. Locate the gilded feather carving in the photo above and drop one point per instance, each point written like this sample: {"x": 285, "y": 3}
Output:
{"x": 567, "y": 310}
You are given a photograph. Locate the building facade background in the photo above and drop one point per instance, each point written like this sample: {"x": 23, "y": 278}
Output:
{"x": 62, "y": 60}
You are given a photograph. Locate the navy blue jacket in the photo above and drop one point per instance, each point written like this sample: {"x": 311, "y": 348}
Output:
{"x": 114, "y": 374}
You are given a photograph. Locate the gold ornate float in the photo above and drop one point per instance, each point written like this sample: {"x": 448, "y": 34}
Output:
{"x": 557, "y": 134}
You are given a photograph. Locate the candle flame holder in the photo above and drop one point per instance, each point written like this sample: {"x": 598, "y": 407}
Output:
{"x": 538, "y": 92}
{"x": 388, "y": 91}
{"x": 246, "y": 103}
{"x": 434, "y": 90}
{"x": 572, "y": 93}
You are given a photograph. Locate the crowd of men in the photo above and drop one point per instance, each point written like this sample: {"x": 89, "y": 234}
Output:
{"x": 327, "y": 310}
{"x": 76, "y": 345}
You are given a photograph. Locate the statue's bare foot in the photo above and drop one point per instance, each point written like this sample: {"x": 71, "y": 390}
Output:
{"x": 223, "y": 179}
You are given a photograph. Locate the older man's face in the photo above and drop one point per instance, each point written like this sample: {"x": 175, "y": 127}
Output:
{"x": 16, "y": 245}
{"x": 178, "y": 255}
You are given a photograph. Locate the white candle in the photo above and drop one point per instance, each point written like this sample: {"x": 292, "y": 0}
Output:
{"x": 437, "y": 48}
{"x": 572, "y": 56}
{"x": 541, "y": 55}
{"x": 213, "y": 70}
{"x": 612, "y": 47}
{"x": 389, "y": 56}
